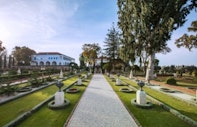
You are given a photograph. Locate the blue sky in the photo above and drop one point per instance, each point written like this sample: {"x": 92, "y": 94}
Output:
{"x": 65, "y": 25}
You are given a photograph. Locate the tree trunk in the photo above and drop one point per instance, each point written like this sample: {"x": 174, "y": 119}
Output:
{"x": 150, "y": 68}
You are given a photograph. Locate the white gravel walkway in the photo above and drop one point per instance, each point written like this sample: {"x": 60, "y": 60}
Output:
{"x": 100, "y": 107}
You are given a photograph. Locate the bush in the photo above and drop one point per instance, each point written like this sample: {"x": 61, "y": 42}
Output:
{"x": 171, "y": 81}
{"x": 194, "y": 73}
{"x": 195, "y": 79}
{"x": 49, "y": 79}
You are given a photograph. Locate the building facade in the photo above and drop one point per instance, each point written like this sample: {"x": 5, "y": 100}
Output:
{"x": 50, "y": 59}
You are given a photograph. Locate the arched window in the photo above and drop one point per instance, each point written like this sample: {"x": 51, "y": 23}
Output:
{"x": 41, "y": 63}
{"x": 48, "y": 63}
{"x": 54, "y": 63}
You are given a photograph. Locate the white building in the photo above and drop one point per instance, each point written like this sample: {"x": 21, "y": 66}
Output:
{"x": 50, "y": 59}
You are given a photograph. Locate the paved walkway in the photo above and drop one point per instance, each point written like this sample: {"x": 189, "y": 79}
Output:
{"x": 100, "y": 107}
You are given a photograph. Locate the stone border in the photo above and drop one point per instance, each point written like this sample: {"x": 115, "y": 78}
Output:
{"x": 25, "y": 89}
{"x": 25, "y": 115}
{"x": 126, "y": 90}
{"x": 167, "y": 90}
{"x": 79, "y": 85}
{"x": 192, "y": 88}
{"x": 170, "y": 109}
{"x": 148, "y": 104}
{"x": 32, "y": 91}
{"x": 174, "y": 112}
{"x": 52, "y": 106}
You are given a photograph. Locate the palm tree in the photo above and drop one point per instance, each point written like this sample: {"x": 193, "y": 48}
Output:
{"x": 188, "y": 41}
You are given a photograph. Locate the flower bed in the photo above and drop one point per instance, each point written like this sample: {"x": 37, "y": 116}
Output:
{"x": 25, "y": 89}
{"x": 167, "y": 90}
{"x": 72, "y": 90}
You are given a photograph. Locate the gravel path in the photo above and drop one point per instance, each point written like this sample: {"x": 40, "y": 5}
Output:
{"x": 100, "y": 107}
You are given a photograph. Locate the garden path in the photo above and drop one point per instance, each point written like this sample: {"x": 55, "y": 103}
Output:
{"x": 100, "y": 107}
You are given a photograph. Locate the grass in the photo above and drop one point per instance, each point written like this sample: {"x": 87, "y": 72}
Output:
{"x": 22, "y": 85}
{"x": 19, "y": 106}
{"x": 181, "y": 106}
{"x": 46, "y": 117}
{"x": 154, "y": 117}
{"x": 184, "y": 81}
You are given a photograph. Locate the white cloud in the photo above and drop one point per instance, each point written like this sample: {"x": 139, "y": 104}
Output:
{"x": 36, "y": 21}
{"x": 64, "y": 26}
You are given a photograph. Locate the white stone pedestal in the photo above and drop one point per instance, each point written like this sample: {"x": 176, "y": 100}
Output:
{"x": 131, "y": 75}
{"x": 117, "y": 81}
{"x": 59, "y": 98}
{"x": 79, "y": 81}
{"x": 19, "y": 71}
{"x": 61, "y": 74}
{"x": 141, "y": 97}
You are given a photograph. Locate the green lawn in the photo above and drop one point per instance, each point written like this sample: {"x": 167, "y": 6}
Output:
{"x": 46, "y": 117}
{"x": 181, "y": 81}
{"x": 19, "y": 106}
{"x": 155, "y": 117}
{"x": 181, "y": 106}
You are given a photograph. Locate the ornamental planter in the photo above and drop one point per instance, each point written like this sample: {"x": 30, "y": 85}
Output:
{"x": 126, "y": 90}
{"x": 72, "y": 90}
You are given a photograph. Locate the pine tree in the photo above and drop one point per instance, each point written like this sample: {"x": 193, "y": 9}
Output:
{"x": 112, "y": 44}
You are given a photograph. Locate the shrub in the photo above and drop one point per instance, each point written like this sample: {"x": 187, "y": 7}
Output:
{"x": 171, "y": 81}
{"x": 194, "y": 73}
{"x": 49, "y": 79}
{"x": 195, "y": 79}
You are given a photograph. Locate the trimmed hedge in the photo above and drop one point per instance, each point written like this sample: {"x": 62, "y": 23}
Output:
{"x": 171, "y": 81}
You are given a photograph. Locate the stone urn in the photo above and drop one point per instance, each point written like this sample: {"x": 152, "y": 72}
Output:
{"x": 140, "y": 94}
{"x": 118, "y": 80}
{"x": 59, "y": 101}
{"x": 79, "y": 81}
{"x": 59, "y": 96}
{"x": 140, "y": 100}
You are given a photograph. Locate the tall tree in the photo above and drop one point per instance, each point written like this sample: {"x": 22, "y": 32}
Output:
{"x": 2, "y": 49}
{"x": 5, "y": 61}
{"x": 2, "y": 55}
{"x": 147, "y": 25}
{"x": 82, "y": 61}
{"x": 1, "y": 62}
{"x": 188, "y": 41}
{"x": 90, "y": 53}
{"x": 22, "y": 55}
{"x": 10, "y": 61}
{"x": 112, "y": 44}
